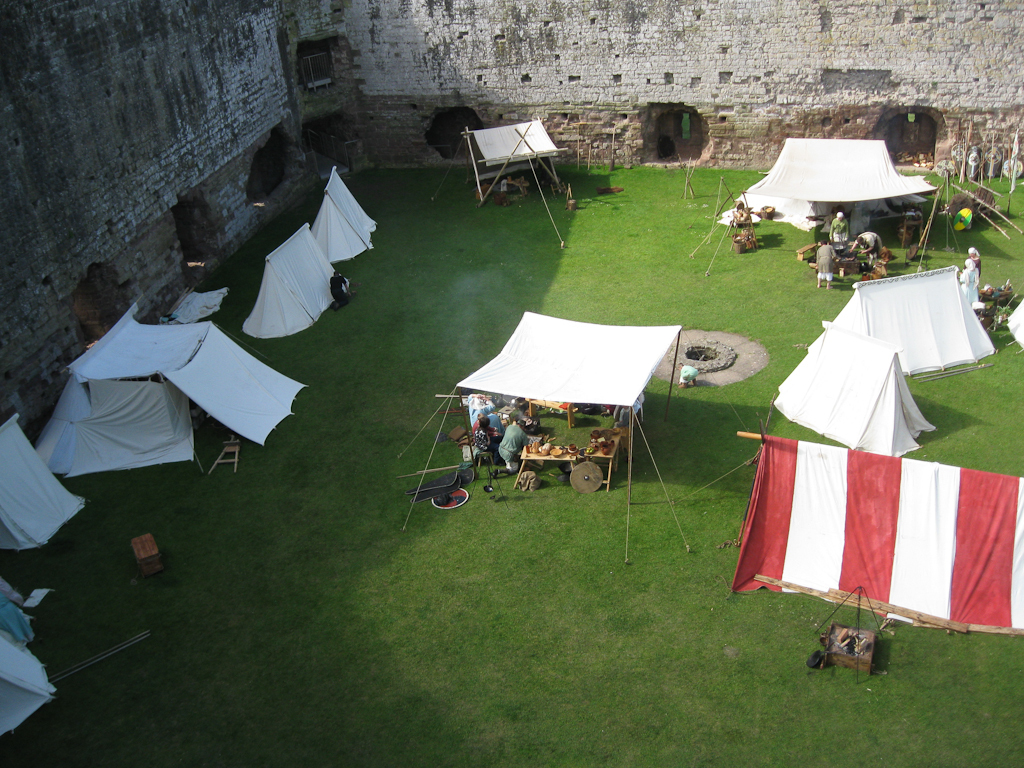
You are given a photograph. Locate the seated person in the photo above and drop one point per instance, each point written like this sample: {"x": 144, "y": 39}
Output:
{"x": 868, "y": 244}
{"x": 839, "y": 231}
{"x": 512, "y": 445}
{"x": 478, "y": 405}
{"x": 485, "y": 437}
{"x": 340, "y": 291}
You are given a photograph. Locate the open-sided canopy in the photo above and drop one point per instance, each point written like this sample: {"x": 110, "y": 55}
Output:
{"x": 24, "y": 687}
{"x": 925, "y": 314}
{"x": 235, "y": 388}
{"x": 523, "y": 141}
{"x": 33, "y": 504}
{"x": 548, "y": 358}
{"x": 850, "y": 388}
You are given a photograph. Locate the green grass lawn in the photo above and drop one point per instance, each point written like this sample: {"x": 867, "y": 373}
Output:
{"x": 298, "y": 624}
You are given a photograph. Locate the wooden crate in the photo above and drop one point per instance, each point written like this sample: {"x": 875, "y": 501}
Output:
{"x": 842, "y": 655}
{"x": 147, "y": 555}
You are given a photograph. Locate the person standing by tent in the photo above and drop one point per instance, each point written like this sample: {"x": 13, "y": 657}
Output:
{"x": 868, "y": 244}
{"x": 839, "y": 231}
{"x": 969, "y": 281}
{"x": 825, "y": 264}
{"x": 973, "y": 255}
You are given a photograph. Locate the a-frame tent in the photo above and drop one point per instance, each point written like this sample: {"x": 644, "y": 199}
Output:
{"x": 925, "y": 314}
{"x": 341, "y": 228}
{"x": 33, "y": 504}
{"x": 850, "y": 388}
{"x": 24, "y": 687}
{"x": 811, "y": 176}
{"x": 295, "y": 291}
{"x": 506, "y": 148}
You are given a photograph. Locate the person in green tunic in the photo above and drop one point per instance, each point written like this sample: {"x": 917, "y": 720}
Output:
{"x": 512, "y": 445}
{"x": 839, "y": 231}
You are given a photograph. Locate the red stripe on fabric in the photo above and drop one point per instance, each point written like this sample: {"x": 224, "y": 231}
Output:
{"x": 766, "y": 529}
{"x": 983, "y": 566}
{"x": 872, "y": 511}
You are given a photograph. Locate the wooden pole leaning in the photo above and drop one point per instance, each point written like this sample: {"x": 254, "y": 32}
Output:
{"x": 672, "y": 373}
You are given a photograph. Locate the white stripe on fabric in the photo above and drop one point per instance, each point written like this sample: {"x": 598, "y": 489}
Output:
{"x": 1017, "y": 577}
{"x": 922, "y": 568}
{"x": 817, "y": 530}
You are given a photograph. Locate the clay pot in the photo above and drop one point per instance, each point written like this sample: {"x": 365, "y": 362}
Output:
{"x": 595, "y": 435}
{"x": 572, "y": 448}
{"x": 605, "y": 449}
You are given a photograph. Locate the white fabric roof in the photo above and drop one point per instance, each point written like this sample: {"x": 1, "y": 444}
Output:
{"x": 235, "y": 388}
{"x": 837, "y": 170}
{"x": 296, "y": 288}
{"x": 336, "y": 237}
{"x": 924, "y": 314}
{"x": 33, "y": 504}
{"x": 496, "y": 145}
{"x": 109, "y": 424}
{"x": 548, "y": 358}
{"x": 850, "y": 388}
{"x": 24, "y": 687}
{"x": 1016, "y": 324}
{"x": 342, "y": 197}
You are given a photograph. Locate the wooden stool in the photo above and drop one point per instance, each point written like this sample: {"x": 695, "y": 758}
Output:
{"x": 147, "y": 555}
{"x": 229, "y": 455}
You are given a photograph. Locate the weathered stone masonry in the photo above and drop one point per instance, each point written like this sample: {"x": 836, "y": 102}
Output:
{"x": 144, "y": 140}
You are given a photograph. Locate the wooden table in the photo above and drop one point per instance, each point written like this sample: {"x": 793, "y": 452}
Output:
{"x": 597, "y": 458}
{"x": 552, "y": 404}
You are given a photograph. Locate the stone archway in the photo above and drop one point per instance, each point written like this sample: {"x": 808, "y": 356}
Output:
{"x": 446, "y": 127}
{"x": 99, "y": 300}
{"x": 910, "y": 131}
{"x": 673, "y": 132}
{"x": 268, "y": 167}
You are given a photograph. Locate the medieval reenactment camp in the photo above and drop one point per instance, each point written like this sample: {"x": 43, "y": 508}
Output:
{"x": 393, "y": 383}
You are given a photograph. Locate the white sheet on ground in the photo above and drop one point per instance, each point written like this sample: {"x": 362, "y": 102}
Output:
{"x": 196, "y": 306}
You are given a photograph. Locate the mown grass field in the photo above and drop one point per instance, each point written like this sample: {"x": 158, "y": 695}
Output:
{"x": 301, "y": 622}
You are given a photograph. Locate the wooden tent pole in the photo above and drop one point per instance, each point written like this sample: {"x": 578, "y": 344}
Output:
{"x": 998, "y": 213}
{"x": 471, "y": 159}
{"x": 508, "y": 160}
{"x": 672, "y": 373}
{"x": 629, "y": 474}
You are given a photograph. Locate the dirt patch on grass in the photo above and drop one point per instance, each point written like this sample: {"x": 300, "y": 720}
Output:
{"x": 750, "y": 357}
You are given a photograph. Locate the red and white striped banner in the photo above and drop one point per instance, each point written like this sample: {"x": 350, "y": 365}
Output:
{"x": 940, "y": 540}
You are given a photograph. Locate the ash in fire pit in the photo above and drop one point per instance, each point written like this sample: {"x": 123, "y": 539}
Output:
{"x": 707, "y": 356}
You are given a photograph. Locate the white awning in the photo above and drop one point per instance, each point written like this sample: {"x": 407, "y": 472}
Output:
{"x": 522, "y": 141}
{"x": 548, "y": 358}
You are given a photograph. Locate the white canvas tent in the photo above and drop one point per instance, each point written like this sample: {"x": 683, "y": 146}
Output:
{"x": 245, "y": 395}
{"x": 924, "y": 314}
{"x": 341, "y": 228}
{"x": 508, "y": 148}
{"x": 109, "y": 424}
{"x": 24, "y": 687}
{"x": 811, "y": 176}
{"x": 296, "y": 288}
{"x": 540, "y": 362}
{"x": 850, "y": 388}
{"x": 1016, "y": 324}
{"x": 33, "y": 504}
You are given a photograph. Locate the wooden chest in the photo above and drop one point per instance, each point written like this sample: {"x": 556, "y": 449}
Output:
{"x": 147, "y": 555}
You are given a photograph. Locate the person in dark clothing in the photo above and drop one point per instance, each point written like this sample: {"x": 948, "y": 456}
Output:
{"x": 340, "y": 291}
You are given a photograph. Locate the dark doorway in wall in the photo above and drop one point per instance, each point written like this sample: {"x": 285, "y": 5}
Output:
{"x": 315, "y": 63}
{"x": 334, "y": 141}
{"x": 268, "y": 164}
{"x": 196, "y": 231}
{"x": 909, "y": 132}
{"x": 446, "y": 127}
{"x": 99, "y": 301}
{"x": 673, "y": 132}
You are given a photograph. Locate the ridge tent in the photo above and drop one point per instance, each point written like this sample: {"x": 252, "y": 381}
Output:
{"x": 110, "y": 424}
{"x": 33, "y": 504}
{"x": 811, "y": 176}
{"x": 341, "y": 228}
{"x": 923, "y": 537}
{"x": 925, "y": 314}
{"x": 867, "y": 405}
{"x": 508, "y": 148}
{"x": 24, "y": 687}
{"x": 1016, "y": 324}
{"x": 296, "y": 288}
{"x": 235, "y": 388}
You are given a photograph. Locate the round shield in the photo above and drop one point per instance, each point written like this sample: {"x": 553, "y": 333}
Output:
{"x": 456, "y": 498}
{"x": 586, "y": 477}
{"x": 962, "y": 220}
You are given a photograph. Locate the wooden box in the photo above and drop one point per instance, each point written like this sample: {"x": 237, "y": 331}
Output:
{"x": 849, "y": 647}
{"x": 147, "y": 555}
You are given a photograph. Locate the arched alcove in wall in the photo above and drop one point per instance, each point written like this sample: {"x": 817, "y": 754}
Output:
{"x": 268, "y": 166}
{"x": 446, "y": 127}
{"x": 909, "y": 130}
{"x": 99, "y": 300}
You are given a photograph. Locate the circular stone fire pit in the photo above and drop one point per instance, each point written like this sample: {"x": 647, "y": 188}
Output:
{"x": 721, "y": 358}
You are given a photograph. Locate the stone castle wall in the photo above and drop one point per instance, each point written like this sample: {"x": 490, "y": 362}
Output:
{"x": 144, "y": 140}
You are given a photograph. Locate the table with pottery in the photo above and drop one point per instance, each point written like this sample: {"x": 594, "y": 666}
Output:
{"x": 603, "y": 448}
